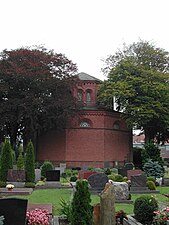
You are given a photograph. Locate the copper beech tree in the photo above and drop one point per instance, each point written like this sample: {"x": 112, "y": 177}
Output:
{"x": 35, "y": 92}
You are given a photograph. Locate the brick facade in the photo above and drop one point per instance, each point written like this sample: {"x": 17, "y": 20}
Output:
{"x": 96, "y": 138}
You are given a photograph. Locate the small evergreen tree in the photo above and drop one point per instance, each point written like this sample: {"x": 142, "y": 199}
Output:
{"x": 30, "y": 163}
{"x": 47, "y": 165}
{"x": 20, "y": 160}
{"x": 6, "y": 160}
{"x": 81, "y": 210}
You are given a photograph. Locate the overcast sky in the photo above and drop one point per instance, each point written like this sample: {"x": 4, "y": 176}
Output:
{"x": 86, "y": 31}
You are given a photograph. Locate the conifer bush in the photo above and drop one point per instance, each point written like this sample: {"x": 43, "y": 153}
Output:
{"x": 81, "y": 209}
{"x": 6, "y": 160}
{"x": 30, "y": 163}
{"x": 20, "y": 160}
{"x": 47, "y": 165}
{"x": 144, "y": 208}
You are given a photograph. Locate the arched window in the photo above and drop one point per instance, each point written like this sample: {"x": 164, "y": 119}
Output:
{"x": 116, "y": 125}
{"x": 85, "y": 123}
{"x": 80, "y": 95}
{"x": 88, "y": 97}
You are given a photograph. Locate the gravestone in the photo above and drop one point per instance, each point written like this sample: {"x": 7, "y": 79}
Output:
{"x": 14, "y": 210}
{"x": 16, "y": 175}
{"x": 37, "y": 175}
{"x": 62, "y": 167}
{"x": 121, "y": 190}
{"x": 85, "y": 174}
{"x": 53, "y": 175}
{"x": 97, "y": 181}
{"x": 123, "y": 170}
{"x": 107, "y": 205}
{"x": 134, "y": 173}
{"x": 138, "y": 183}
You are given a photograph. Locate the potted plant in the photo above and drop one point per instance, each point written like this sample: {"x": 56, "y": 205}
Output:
{"x": 10, "y": 187}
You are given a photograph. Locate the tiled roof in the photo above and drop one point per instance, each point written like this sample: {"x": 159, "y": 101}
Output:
{"x": 85, "y": 76}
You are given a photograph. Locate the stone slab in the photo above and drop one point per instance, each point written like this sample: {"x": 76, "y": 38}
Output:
{"x": 16, "y": 191}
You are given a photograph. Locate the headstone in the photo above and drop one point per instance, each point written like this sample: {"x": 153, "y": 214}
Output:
{"x": 37, "y": 175}
{"x": 97, "y": 181}
{"x": 14, "y": 210}
{"x": 121, "y": 190}
{"x": 123, "y": 171}
{"x": 85, "y": 174}
{"x": 107, "y": 205}
{"x": 138, "y": 183}
{"x": 16, "y": 175}
{"x": 53, "y": 175}
{"x": 134, "y": 173}
{"x": 62, "y": 167}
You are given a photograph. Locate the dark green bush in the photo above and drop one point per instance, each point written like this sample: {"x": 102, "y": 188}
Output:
{"x": 20, "y": 161}
{"x": 151, "y": 179}
{"x": 118, "y": 178}
{"x": 65, "y": 209}
{"x": 29, "y": 185}
{"x": 107, "y": 171}
{"x": 30, "y": 163}
{"x": 151, "y": 185}
{"x": 6, "y": 160}
{"x": 153, "y": 169}
{"x": 73, "y": 179}
{"x": 81, "y": 209}
{"x": 47, "y": 165}
{"x": 144, "y": 207}
{"x": 2, "y": 183}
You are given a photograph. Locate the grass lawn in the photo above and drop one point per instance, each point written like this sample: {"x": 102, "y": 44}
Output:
{"x": 54, "y": 196}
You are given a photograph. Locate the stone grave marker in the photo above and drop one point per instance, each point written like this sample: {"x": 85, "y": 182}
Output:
{"x": 138, "y": 183}
{"x": 85, "y": 174}
{"x": 62, "y": 167}
{"x": 53, "y": 175}
{"x": 14, "y": 210}
{"x": 16, "y": 175}
{"x": 133, "y": 173}
{"x": 37, "y": 175}
{"x": 121, "y": 190}
{"x": 97, "y": 181}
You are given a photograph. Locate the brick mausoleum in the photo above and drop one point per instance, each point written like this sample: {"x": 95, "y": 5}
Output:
{"x": 96, "y": 138}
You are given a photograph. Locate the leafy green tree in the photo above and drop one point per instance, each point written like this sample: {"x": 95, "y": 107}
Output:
{"x": 6, "y": 160}
{"x": 35, "y": 92}
{"x": 138, "y": 79}
{"x": 81, "y": 210}
{"x": 30, "y": 163}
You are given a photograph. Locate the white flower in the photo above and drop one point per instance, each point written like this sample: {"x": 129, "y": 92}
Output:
{"x": 10, "y": 186}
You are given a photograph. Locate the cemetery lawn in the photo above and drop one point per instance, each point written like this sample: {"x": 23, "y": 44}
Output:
{"x": 54, "y": 196}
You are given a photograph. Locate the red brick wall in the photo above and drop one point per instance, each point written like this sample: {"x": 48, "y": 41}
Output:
{"x": 51, "y": 146}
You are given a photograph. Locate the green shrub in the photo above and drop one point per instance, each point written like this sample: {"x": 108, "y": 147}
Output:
{"x": 144, "y": 208}
{"x": 65, "y": 209}
{"x": 30, "y": 163}
{"x": 118, "y": 178}
{"x": 153, "y": 169}
{"x": 47, "y": 165}
{"x": 107, "y": 171}
{"x": 81, "y": 209}
{"x": 20, "y": 161}
{"x": 40, "y": 183}
{"x": 151, "y": 179}
{"x": 2, "y": 183}
{"x": 6, "y": 160}
{"x": 29, "y": 185}
{"x": 151, "y": 185}
{"x": 112, "y": 176}
{"x": 73, "y": 179}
